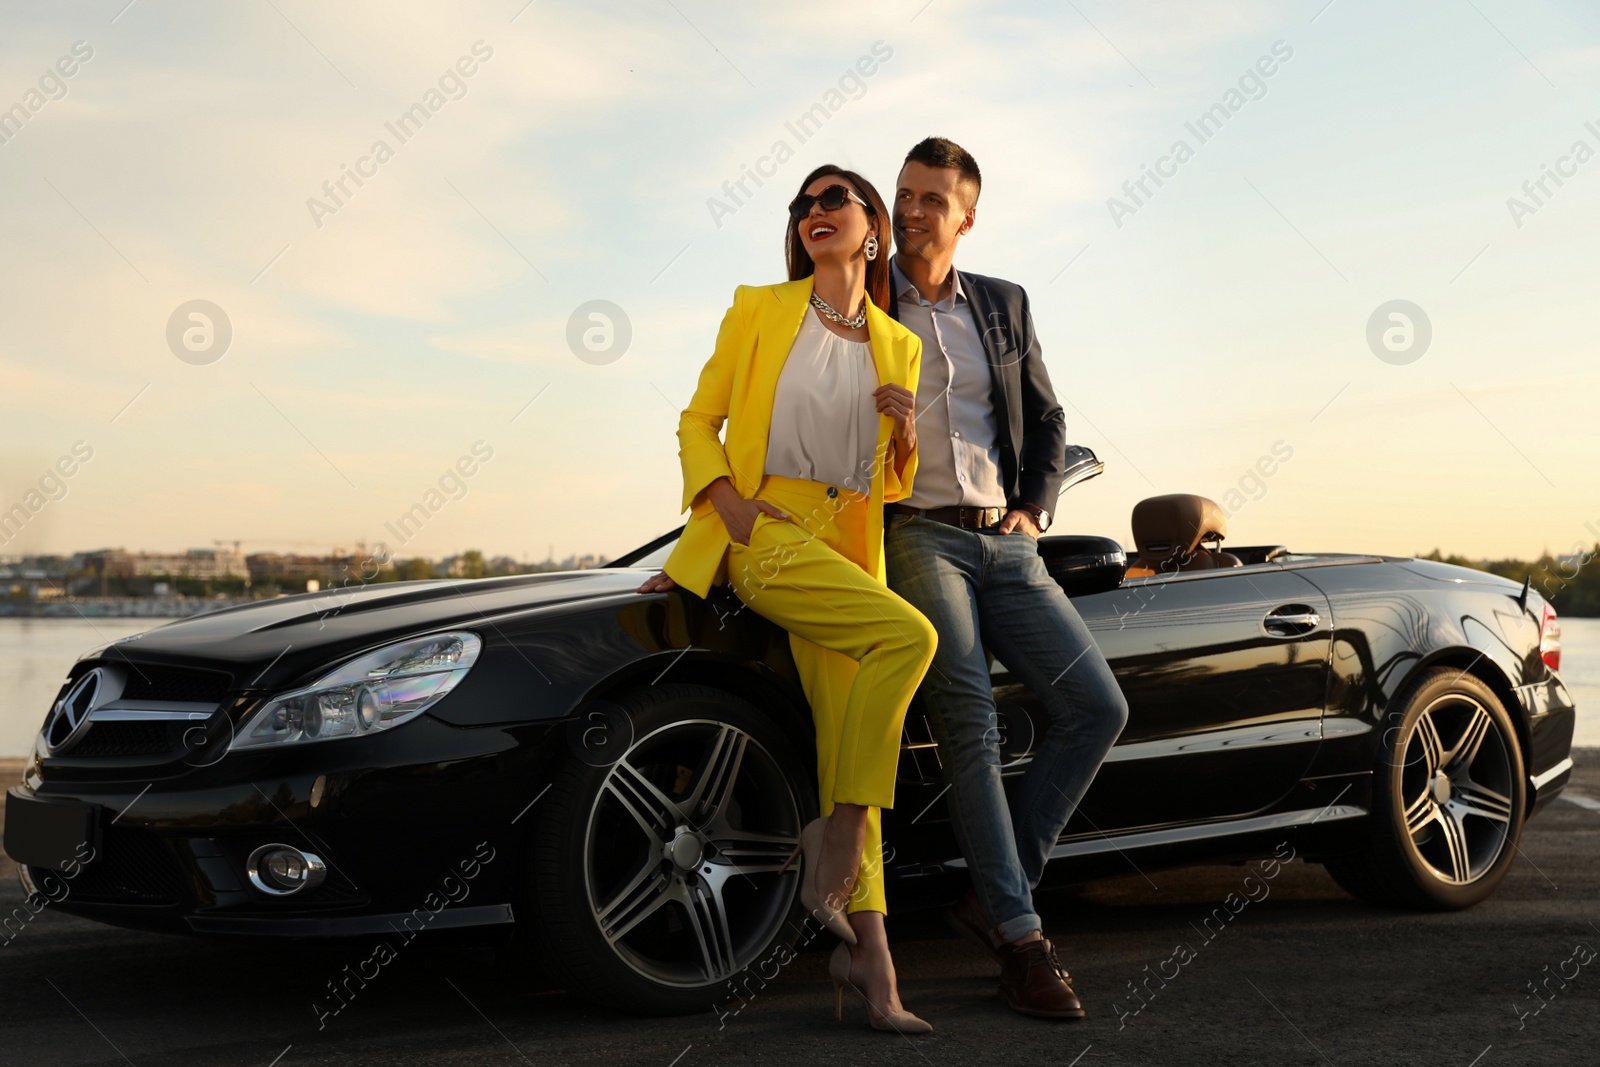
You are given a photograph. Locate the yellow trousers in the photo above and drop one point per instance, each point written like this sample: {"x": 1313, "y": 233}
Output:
{"x": 860, "y": 649}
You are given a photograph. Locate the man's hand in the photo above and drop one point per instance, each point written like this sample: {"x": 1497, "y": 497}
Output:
{"x": 1018, "y": 519}
{"x": 657, "y": 583}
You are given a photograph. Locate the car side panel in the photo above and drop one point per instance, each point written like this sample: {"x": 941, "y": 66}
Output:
{"x": 1224, "y": 717}
{"x": 1391, "y": 622}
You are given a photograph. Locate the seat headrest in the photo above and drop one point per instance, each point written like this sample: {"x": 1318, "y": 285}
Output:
{"x": 1176, "y": 524}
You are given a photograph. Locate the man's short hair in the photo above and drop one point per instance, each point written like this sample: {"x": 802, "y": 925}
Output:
{"x": 943, "y": 152}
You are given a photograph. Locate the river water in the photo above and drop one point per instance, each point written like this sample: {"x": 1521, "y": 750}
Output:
{"x": 35, "y": 655}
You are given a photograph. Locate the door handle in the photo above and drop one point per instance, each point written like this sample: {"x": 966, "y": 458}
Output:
{"x": 1291, "y": 620}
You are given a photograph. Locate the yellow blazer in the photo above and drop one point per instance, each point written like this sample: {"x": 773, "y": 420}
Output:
{"x": 737, "y": 386}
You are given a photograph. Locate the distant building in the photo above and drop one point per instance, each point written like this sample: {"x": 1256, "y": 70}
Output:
{"x": 105, "y": 563}
{"x": 33, "y": 577}
{"x": 103, "y": 572}
{"x": 200, "y": 563}
{"x": 337, "y": 568}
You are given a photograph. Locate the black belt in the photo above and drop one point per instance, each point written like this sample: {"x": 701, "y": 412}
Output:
{"x": 964, "y": 518}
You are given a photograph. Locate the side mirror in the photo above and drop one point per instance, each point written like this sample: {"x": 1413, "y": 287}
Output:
{"x": 1082, "y": 464}
{"x": 1083, "y": 565}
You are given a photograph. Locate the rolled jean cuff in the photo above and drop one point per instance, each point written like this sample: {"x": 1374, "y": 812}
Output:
{"x": 1021, "y": 926}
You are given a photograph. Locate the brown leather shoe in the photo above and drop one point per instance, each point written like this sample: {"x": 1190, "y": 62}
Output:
{"x": 1033, "y": 981}
{"x": 966, "y": 918}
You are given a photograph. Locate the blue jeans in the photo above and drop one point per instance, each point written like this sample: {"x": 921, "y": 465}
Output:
{"x": 986, "y": 589}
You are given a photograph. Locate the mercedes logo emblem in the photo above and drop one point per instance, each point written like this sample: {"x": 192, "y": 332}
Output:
{"x": 70, "y": 716}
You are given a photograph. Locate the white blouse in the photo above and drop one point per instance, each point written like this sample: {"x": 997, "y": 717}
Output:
{"x": 824, "y": 420}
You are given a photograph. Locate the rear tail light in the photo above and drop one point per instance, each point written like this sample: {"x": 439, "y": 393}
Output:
{"x": 1550, "y": 638}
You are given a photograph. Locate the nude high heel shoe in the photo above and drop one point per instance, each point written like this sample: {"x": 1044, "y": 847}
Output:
{"x": 811, "y": 845}
{"x": 898, "y": 1022}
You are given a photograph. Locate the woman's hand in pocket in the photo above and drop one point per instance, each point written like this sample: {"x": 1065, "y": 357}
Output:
{"x": 740, "y": 519}
{"x": 738, "y": 514}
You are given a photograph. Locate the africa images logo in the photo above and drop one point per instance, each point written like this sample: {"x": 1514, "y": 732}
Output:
{"x": 451, "y": 85}
{"x": 851, "y": 85}
{"x": 1252, "y": 85}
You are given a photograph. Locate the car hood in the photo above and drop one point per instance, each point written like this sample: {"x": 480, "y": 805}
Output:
{"x": 272, "y": 643}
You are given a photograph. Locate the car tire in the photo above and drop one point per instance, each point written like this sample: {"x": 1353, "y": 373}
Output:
{"x": 654, "y": 877}
{"x": 1449, "y": 798}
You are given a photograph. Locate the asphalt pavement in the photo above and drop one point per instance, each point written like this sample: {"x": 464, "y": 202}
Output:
{"x": 1301, "y": 974}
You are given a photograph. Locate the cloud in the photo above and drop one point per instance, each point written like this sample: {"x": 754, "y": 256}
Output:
{"x": 578, "y": 164}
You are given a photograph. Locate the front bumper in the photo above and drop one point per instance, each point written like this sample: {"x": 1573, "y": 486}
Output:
{"x": 418, "y": 829}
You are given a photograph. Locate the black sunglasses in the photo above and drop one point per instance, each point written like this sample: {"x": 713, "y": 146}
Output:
{"x": 832, "y": 199}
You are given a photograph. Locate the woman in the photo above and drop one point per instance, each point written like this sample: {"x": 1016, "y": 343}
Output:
{"x": 817, "y": 386}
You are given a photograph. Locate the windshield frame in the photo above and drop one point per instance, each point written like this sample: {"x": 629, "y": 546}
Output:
{"x": 650, "y": 548}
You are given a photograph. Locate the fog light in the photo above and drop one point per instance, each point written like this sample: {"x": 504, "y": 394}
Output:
{"x": 282, "y": 870}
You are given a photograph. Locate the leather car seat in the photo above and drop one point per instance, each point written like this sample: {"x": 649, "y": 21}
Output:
{"x": 1171, "y": 532}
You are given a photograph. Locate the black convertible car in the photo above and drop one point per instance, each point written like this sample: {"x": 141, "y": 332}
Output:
{"x": 624, "y": 775}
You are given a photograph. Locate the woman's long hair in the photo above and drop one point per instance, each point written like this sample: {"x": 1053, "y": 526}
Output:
{"x": 799, "y": 260}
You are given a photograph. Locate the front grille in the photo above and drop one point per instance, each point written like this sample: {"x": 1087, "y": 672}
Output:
{"x": 146, "y": 682}
{"x": 132, "y": 867}
{"x": 111, "y": 740}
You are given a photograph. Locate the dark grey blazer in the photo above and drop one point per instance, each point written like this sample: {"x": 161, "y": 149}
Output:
{"x": 1032, "y": 427}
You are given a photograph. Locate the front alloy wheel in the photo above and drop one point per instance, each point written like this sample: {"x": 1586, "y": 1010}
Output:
{"x": 656, "y": 875}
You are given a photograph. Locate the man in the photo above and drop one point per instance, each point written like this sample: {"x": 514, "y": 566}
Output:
{"x": 961, "y": 549}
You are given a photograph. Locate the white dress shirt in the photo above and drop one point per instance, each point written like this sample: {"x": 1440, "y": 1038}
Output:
{"x": 824, "y": 420}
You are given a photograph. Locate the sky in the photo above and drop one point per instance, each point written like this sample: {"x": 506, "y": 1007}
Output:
{"x": 514, "y": 163}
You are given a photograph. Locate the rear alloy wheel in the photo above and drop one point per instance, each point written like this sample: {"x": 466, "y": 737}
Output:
{"x": 1448, "y": 799}
{"x": 655, "y": 876}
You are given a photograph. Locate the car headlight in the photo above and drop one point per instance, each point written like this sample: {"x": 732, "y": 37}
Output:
{"x": 375, "y": 691}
